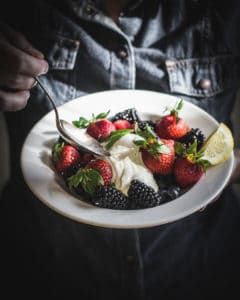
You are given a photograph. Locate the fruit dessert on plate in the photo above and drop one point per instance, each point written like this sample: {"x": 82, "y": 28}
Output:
{"x": 151, "y": 162}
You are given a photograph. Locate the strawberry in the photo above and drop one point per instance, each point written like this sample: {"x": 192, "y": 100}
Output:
{"x": 190, "y": 165}
{"x": 65, "y": 156}
{"x": 87, "y": 157}
{"x": 172, "y": 126}
{"x": 103, "y": 167}
{"x": 186, "y": 172}
{"x": 122, "y": 124}
{"x": 100, "y": 129}
{"x": 98, "y": 126}
{"x": 96, "y": 173}
{"x": 162, "y": 163}
{"x": 157, "y": 155}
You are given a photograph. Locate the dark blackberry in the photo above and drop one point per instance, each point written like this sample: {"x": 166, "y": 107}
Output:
{"x": 164, "y": 181}
{"x": 81, "y": 192}
{"x": 71, "y": 171}
{"x": 130, "y": 115}
{"x": 107, "y": 196}
{"x": 170, "y": 193}
{"x": 142, "y": 196}
{"x": 191, "y": 136}
{"x": 151, "y": 124}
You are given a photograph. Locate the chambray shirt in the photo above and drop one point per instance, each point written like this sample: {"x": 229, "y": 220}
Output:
{"x": 185, "y": 48}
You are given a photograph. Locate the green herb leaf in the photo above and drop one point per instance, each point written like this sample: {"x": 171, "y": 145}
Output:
{"x": 115, "y": 136}
{"x": 57, "y": 149}
{"x": 179, "y": 105}
{"x": 140, "y": 143}
{"x": 102, "y": 115}
{"x": 180, "y": 149}
{"x": 147, "y": 133}
{"x": 81, "y": 123}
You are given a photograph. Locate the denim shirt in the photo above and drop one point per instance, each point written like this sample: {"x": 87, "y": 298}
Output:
{"x": 185, "y": 48}
{"x": 148, "y": 48}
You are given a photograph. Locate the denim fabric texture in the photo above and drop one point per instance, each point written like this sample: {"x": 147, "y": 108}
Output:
{"x": 185, "y": 48}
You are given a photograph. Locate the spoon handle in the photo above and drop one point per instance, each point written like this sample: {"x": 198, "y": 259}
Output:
{"x": 50, "y": 98}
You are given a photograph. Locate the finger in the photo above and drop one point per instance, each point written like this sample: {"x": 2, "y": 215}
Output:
{"x": 17, "y": 61}
{"x": 19, "y": 41}
{"x": 16, "y": 81}
{"x": 13, "y": 101}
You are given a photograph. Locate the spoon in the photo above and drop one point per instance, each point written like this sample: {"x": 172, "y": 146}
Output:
{"x": 72, "y": 134}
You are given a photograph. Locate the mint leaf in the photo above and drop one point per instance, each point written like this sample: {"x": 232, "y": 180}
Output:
{"x": 102, "y": 115}
{"x": 81, "y": 123}
{"x": 140, "y": 143}
{"x": 147, "y": 133}
{"x": 115, "y": 136}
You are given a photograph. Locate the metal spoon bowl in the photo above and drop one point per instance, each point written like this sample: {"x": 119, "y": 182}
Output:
{"x": 72, "y": 134}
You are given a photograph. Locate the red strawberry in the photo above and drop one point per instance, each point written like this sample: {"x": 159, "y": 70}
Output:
{"x": 186, "y": 172}
{"x": 65, "y": 156}
{"x": 122, "y": 124}
{"x": 171, "y": 126}
{"x": 103, "y": 167}
{"x": 87, "y": 157}
{"x": 162, "y": 163}
{"x": 100, "y": 129}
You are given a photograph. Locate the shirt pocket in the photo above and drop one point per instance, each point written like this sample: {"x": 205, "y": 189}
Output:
{"x": 61, "y": 53}
{"x": 203, "y": 77}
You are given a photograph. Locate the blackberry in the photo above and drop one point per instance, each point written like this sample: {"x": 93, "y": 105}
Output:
{"x": 191, "y": 136}
{"x": 164, "y": 181}
{"x": 151, "y": 124}
{"x": 170, "y": 193}
{"x": 81, "y": 192}
{"x": 142, "y": 196}
{"x": 130, "y": 115}
{"x": 107, "y": 196}
{"x": 71, "y": 171}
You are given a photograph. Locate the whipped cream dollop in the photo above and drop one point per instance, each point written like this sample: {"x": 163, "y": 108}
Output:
{"x": 127, "y": 165}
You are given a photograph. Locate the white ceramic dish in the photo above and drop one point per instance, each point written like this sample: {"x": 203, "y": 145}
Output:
{"x": 42, "y": 180}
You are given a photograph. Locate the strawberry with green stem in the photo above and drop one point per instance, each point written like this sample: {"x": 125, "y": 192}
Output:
{"x": 65, "y": 156}
{"x": 172, "y": 126}
{"x": 189, "y": 166}
{"x": 97, "y": 172}
{"x": 157, "y": 155}
{"x": 98, "y": 126}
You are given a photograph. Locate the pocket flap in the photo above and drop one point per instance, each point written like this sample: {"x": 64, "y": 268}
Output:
{"x": 61, "y": 52}
{"x": 203, "y": 77}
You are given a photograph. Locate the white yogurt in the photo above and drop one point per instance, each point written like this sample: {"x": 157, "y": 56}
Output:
{"x": 127, "y": 164}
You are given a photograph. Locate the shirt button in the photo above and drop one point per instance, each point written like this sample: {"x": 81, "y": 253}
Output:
{"x": 205, "y": 84}
{"x": 122, "y": 53}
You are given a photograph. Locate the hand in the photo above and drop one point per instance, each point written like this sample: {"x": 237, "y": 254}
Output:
{"x": 19, "y": 64}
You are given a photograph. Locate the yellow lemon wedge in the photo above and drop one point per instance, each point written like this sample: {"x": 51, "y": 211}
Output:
{"x": 219, "y": 145}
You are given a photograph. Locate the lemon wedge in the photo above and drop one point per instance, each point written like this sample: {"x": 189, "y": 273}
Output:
{"x": 219, "y": 145}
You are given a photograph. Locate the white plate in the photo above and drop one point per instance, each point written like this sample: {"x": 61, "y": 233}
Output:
{"x": 40, "y": 177}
